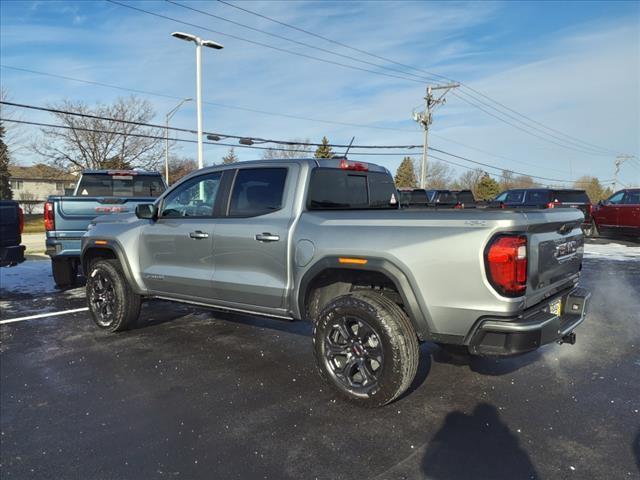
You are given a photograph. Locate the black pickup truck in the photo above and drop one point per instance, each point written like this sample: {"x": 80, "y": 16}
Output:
{"x": 11, "y": 225}
{"x": 418, "y": 197}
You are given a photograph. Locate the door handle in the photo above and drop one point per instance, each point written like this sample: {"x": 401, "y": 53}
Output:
{"x": 198, "y": 235}
{"x": 267, "y": 237}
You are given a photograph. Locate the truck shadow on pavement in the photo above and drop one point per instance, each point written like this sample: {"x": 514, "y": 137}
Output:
{"x": 478, "y": 445}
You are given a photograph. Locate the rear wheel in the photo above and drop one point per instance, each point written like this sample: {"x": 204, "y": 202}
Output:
{"x": 113, "y": 305}
{"x": 366, "y": 348}
{"x": 591, "y": 230}
{"x": 65, "y": 272}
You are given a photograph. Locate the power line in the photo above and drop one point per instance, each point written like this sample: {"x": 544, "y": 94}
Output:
{"x": 263, "y": 112}
{"x": 157, "y": 137}
{"x": 431, "y": 74}
{"x": 575, "y": 146}
{"x": 292, "y": 40}
{"x": 281, "y": 142}
{"x": 186, "y": 130}
{"x": 524, "y": 129}
{"x": 261, "y": 44}
{"x": 222, "y": 105}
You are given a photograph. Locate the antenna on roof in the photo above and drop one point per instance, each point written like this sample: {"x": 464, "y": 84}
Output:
{"x": 350, "y": 143}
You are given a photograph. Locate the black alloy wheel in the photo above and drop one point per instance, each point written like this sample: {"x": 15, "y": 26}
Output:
{"x": 102, "y": 299}
{"x": 353, "y": 354}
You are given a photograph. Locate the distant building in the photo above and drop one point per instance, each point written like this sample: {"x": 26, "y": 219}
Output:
{"x": 32, "y": 185}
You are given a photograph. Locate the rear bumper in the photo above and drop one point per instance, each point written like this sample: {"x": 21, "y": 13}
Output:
{"x": 63, "y": 247}
{"x": 10, "y": 256}
{"x": 536, "y": 327}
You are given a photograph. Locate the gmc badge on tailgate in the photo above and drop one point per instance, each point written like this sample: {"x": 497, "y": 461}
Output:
{"x": 566, "y": 248}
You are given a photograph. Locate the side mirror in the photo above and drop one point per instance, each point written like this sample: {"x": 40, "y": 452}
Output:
{"x": 146, "y": 211}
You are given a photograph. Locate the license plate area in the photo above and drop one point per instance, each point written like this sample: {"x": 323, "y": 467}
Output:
{"x": 555, "y": 307}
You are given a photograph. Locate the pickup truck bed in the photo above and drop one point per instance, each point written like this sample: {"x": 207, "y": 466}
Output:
{"x": 324, "y": 240}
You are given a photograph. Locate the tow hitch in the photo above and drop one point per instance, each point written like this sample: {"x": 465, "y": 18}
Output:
{"x": 569, "y": 338}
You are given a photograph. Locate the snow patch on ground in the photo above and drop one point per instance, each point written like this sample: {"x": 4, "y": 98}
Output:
{"x": 612, "y": 251}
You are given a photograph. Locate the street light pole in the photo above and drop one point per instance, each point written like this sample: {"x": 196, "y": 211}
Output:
{"x": 199, "y": 44}
{"x": 166, "y": 137}
{"x": 199, "y": 99}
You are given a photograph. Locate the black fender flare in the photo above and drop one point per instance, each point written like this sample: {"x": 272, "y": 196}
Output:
{"x": 419, "y": 317}
{"x": 118, "y": 251}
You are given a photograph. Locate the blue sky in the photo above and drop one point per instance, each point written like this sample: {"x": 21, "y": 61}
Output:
{"x": 572, "y": 66}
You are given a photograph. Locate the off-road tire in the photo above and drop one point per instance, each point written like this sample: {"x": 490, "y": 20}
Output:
{"x": 592, "y": 231}
{"x": 397, "y": 340}
{"x": 65, "y": 272}
{"x": 107, "y": 281}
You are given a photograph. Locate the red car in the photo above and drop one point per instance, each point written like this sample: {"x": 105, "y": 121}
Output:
{"x": 619, "y": 214}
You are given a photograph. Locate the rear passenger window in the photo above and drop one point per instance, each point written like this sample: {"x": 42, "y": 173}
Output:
{"x": 257, "y": 191}
{"x": 632, "y": 198}
{"x": 537, "y": 197}
{"x": 514, "y": 197}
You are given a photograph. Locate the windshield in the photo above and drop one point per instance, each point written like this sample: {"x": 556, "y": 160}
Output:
{"x": 107, "y": 185}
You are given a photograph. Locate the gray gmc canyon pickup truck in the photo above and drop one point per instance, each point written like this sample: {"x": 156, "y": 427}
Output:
{"x": 324, "y": 240}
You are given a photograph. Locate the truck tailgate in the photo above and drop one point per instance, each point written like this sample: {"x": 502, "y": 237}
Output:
{"x": 556, "y": 245}
{"x": 9, "y": 231}
{"x": 75, "y": 213}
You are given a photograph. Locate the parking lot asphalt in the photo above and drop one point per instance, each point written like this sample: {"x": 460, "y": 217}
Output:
{"x": 192, "y": 393}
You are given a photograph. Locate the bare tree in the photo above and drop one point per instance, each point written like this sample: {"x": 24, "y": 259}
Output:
{"x": 179, "y": 167}
{"x": 439, "y": 175}
{"x": 28, "y": 201}
{"x": 297, "y": 150}
{"x": 14, "y": 134}
{"x": 469, "y": 180}
{"x": 524, "y": 181}
{"x": 96, "y": 143}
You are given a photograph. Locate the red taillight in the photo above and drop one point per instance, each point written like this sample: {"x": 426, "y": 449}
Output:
{"x": 589, "y": 209}
{"x": 506, "y": 261}
{"x": 358, "y": 166}
{"x": 20, "y": 220}
{"x": 552, "y": 204}
{"x": 459, "y": 205}
{"x": 49, "y": 218}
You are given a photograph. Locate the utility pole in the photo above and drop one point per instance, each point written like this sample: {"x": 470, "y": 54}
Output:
{"x": 617, "y": 163}
{"x": 425, "y": 119}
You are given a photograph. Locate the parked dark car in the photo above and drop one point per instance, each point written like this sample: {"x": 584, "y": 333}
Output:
{"x": 619, "y": 214}
{"x": 546, "y": 198}
{"x": 11, "y": 226}
{"x": 419, "y": 197}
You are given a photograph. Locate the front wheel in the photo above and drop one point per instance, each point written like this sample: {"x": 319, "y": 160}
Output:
{"x": 366, "y": 348}
{"x": 113, "y": 305}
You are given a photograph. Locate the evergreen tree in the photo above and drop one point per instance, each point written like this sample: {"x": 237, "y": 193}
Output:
{"x": 593, "y": 187}
{"x": 487, "y": 188}
{"x": 5, "y": 186}
{"x": 230, "y": 157}
{"x": 324, "y": 150}
{"x": 406, "y": 174}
